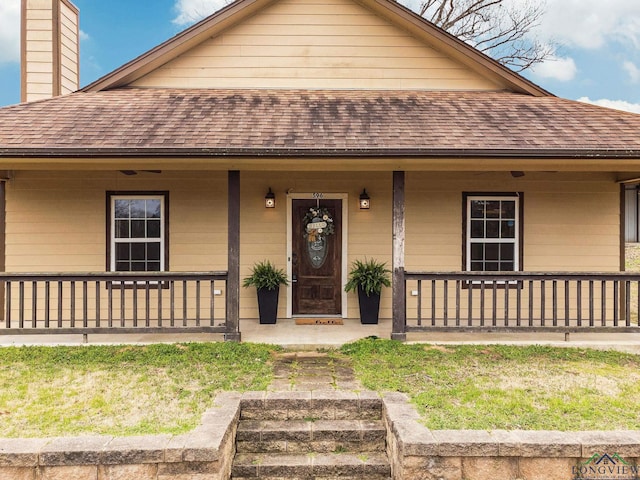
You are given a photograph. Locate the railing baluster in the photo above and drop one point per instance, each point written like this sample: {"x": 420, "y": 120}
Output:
{"x": 603, "y": 302}
{"x": 159, "y": 304}
{"x": 172, "y": 306}
{"x": 519, "y": 303}
{"x": 419, "y": 305}
{"x": 482, "y": 306}
{"x": 567, "y": 304}
{"x": 135, "y": 304}
{"x": 433, "y": 302}
{"x": 147, "y": 305}
{"x": 627, "y": 298}
{"x": 21, "y": 299}
{"x": 543, "y": 306}
{"x": 616, "y": 301}
{"x": 47, "y": 303}
{"x": 7, "y": 315}
{"x": 73, "y": 303}
{"x": 184, "y": 303}
{"x": 506, "y": 303}
{"x": 123, "y": 315}
{"x": 591, "y": 319}
{"x": 34, "y": 304}
{"x": 212, "y": 296}
{"x": 494, "y": 304}
{"x": 98, "y": 313}
{"x": 110, "y": 303}
{"x": 579, "y": 302}
{"x": 469, "y": 304}
{"x": 60, "y": 304}
{"x": 85, "y": 304}
{"x": 457, "y": 303}
{"x": 554, "y": 287}
{"x": 531, "y": 284}
{"x": 197, "y": 303}
{"x": 446, "y": 303}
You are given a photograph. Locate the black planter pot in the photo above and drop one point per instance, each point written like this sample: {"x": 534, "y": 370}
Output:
{"x": 268, "y": 305}
{"x": 369, "y": 307}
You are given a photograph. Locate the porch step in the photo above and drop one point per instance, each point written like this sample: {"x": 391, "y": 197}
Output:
{"x": 321, "y": 436}
{"x": 372, "y": 466}
{"x": 311, "y": 435}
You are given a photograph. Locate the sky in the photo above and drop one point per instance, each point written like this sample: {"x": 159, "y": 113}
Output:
{"x": 597, "y": 57}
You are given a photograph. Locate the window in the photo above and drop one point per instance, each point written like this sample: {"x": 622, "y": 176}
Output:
{"x": 492, "y": 232}
{"x": 137, "y": 232}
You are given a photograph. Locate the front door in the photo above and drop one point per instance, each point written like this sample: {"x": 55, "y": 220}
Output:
{"x": 317, "y": 257}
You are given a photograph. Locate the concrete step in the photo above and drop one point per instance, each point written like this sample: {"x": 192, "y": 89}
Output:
{"x": 321, "y": 405}
{"x": 321, "y": 436}
{"x": 370, "y": 466}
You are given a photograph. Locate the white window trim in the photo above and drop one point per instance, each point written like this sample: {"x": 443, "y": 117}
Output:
{"x": 112, "y": 220}
{"x": 515, "y": 241}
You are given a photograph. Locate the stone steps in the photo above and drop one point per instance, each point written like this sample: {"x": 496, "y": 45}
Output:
{"x": 324, "y": 435}
{"x": 373, "y": 466}
{"x": 321, "y": 436}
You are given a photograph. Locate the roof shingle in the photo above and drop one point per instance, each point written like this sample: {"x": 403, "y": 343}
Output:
{"x": 130, "y": 121}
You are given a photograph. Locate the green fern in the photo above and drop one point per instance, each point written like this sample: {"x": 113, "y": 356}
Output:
{"x": 265, "y": 275}
{"x": 369, "y": 275}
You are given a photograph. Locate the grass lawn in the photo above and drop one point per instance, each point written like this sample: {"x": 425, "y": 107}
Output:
{"x": 134, "y": 390}
{"x": 121, "y": 390}
{"x": 506, "y": 387}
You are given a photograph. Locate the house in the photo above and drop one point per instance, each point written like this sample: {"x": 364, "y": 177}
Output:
{"x": 495, "y": 203}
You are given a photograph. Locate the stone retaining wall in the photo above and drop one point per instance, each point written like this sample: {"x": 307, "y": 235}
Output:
{"x": 204, "y": 453}
{"x": 417, "y": 453}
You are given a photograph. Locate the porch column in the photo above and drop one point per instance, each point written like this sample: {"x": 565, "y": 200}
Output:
{"x": 233, "y": 262}
{"x": 3, "y": 240}
{"x": 398, "y": 330}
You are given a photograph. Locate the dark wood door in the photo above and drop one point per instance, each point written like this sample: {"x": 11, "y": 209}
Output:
{"x": 317, "y": 257}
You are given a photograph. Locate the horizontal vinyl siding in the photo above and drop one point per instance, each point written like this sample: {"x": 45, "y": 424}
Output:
{"x": 38, "y": 53}
{"x": 56, "y": 222}
{"x": 571, "y": 221}
{"x": 307, "y": 44}
{"x": 69, "y": 49}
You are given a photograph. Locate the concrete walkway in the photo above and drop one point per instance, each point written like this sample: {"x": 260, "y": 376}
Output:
{"x": 312, "y": 371}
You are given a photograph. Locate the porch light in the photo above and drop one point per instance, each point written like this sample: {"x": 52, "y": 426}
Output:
{"x": 365, "y": 201}
{"x": 270, "y": 199}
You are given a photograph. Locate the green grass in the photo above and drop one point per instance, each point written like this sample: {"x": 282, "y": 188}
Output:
{"x": 505, "y": 387}
{"x": 122, "y": 390}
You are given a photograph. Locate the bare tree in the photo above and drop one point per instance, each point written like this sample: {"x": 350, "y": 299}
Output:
{"x": 503, "y": 29}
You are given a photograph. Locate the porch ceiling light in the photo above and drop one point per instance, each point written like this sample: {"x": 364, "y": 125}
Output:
{"x": 270, "y": 199}
{"x": 365, "y": 201}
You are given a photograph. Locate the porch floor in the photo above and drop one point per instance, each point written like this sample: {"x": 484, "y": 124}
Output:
{"x": 308, "y": 337}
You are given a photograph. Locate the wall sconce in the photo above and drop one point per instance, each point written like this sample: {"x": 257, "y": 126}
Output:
{"x": 270, "y": 199}
{"x": 365, "y": 201}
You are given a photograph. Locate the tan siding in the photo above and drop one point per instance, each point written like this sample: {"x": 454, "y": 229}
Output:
{"x": 70, "y": 49}
{"x": 308, "y": 44}
{"x": 571, "y": 221}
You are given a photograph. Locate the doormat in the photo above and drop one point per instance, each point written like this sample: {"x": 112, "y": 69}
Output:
{"x": 319, "y": 321}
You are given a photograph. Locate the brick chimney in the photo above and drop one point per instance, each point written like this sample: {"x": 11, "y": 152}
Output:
{"x": 49, "y": 49}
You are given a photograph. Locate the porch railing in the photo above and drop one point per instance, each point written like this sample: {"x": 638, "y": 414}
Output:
{"x": 567, "y": 302}
{"x": 113, "y": 303}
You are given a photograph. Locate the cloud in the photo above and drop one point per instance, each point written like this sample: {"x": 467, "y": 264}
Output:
{"x": 592, "y": 23}
{"x": 632, "y": 70}
{"x": 190, "y": 11}
{"x": 556, "y": 68}
{"x": 9, "y": 31}
{"x": 616, "y": 104}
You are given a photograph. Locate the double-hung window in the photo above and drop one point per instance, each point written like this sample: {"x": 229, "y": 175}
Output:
{"x": 493, "y": 232}
{"x": 137, "y": 232}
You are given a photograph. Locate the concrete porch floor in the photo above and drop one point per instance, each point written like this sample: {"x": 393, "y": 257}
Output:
{"x": 309, "y": 337}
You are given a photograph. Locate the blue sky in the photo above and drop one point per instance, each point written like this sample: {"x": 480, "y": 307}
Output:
{"x": 598, "y": 59}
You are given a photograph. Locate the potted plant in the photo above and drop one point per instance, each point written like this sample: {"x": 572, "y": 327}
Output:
{"x": 368, "y": 277}
{"x": 267, "y": 280}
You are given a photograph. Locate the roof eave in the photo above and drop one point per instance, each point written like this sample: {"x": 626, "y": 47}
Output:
{"x": 320, "y": 153}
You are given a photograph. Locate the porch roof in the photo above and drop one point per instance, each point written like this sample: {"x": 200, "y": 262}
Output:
{"x": 210, "y": 122}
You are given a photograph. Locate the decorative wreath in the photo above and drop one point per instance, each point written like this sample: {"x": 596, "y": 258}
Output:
{"x": 322, "y": 216}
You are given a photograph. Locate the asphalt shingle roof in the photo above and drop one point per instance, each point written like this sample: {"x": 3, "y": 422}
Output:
{"x": 135, "y": 121}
